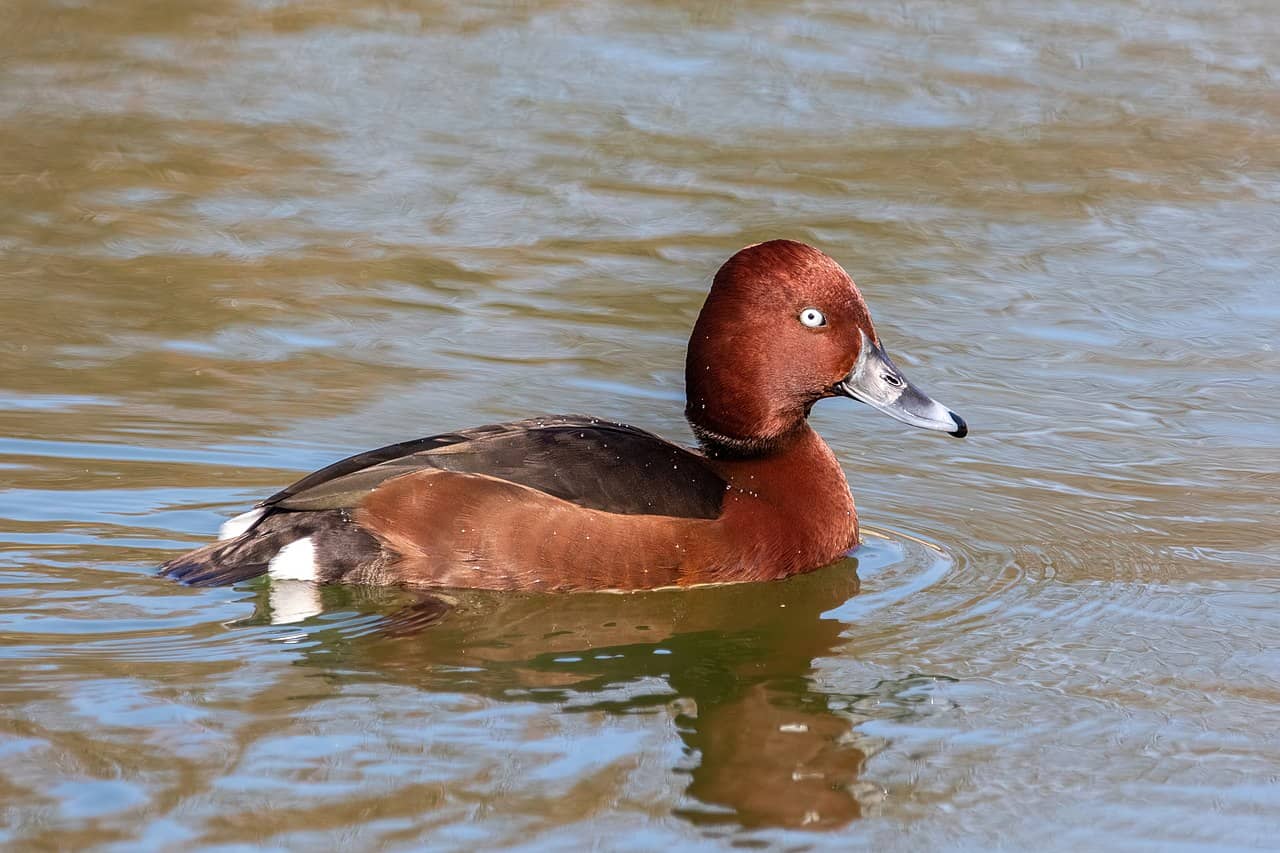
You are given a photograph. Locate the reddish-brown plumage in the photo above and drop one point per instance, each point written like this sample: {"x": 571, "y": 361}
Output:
{"x": 784, "y": 513}
{"x": 571, "y": 503}
{"x": 752, "y": 371}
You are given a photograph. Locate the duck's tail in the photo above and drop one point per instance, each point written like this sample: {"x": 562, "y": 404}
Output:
{"x": 321, "y": 546}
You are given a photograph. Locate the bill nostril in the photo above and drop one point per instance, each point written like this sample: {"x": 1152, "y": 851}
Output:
{"x": 892, "y": 380}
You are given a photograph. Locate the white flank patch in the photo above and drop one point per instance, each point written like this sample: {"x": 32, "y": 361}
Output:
{"x": 294, "y": 562}
{"x": 293, "y": 601}
{"x": 233, "y": 527}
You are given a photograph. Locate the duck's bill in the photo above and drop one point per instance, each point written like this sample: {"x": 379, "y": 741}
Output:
{"x": 877, "y": 381}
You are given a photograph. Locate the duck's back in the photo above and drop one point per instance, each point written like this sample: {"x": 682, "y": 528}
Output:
{"x": 586, "y": 461}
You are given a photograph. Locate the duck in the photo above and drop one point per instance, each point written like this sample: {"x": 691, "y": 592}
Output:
{"x": 572, "y": 503}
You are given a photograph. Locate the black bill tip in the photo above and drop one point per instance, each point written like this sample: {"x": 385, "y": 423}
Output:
{"x": 962, "y": 428}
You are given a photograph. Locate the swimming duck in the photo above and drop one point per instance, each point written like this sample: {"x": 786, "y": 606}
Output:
{"x": 572, "y": 502}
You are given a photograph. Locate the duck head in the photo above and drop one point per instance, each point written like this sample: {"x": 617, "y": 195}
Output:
{"x": 783, "y": 327}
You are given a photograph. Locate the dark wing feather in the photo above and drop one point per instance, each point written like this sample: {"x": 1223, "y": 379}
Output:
{"x": 589, "y": 462}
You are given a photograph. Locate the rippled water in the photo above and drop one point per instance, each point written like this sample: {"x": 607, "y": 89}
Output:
{"x": 238, "y": 240}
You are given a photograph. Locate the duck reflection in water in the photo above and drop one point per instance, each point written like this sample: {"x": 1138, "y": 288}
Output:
{"x": 764, "y": 746}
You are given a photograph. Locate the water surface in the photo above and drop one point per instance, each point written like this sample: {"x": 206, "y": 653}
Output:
{"x": 239, "y": 240}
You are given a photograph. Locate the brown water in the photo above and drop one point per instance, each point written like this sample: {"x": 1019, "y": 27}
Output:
{"x": 239, "y": 240}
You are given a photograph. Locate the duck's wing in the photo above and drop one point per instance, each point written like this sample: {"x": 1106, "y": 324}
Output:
{"x": 589, "y": 462}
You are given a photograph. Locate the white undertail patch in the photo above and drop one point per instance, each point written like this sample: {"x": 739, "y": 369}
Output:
{"x": 233, "y": 527}
{"x": 294, "y": 562}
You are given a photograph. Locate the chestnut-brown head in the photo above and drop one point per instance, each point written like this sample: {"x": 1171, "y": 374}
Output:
{"x": 783, "y": 327}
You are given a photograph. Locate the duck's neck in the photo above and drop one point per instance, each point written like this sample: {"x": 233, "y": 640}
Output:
{"x": 734, "y": 415}
{"x": 799, "y": 462}
{"x": 796, "y": 492}
{"x": 718, "y": 445}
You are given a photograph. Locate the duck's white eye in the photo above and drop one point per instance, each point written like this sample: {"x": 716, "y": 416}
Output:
{"x": 813, "y": 318}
